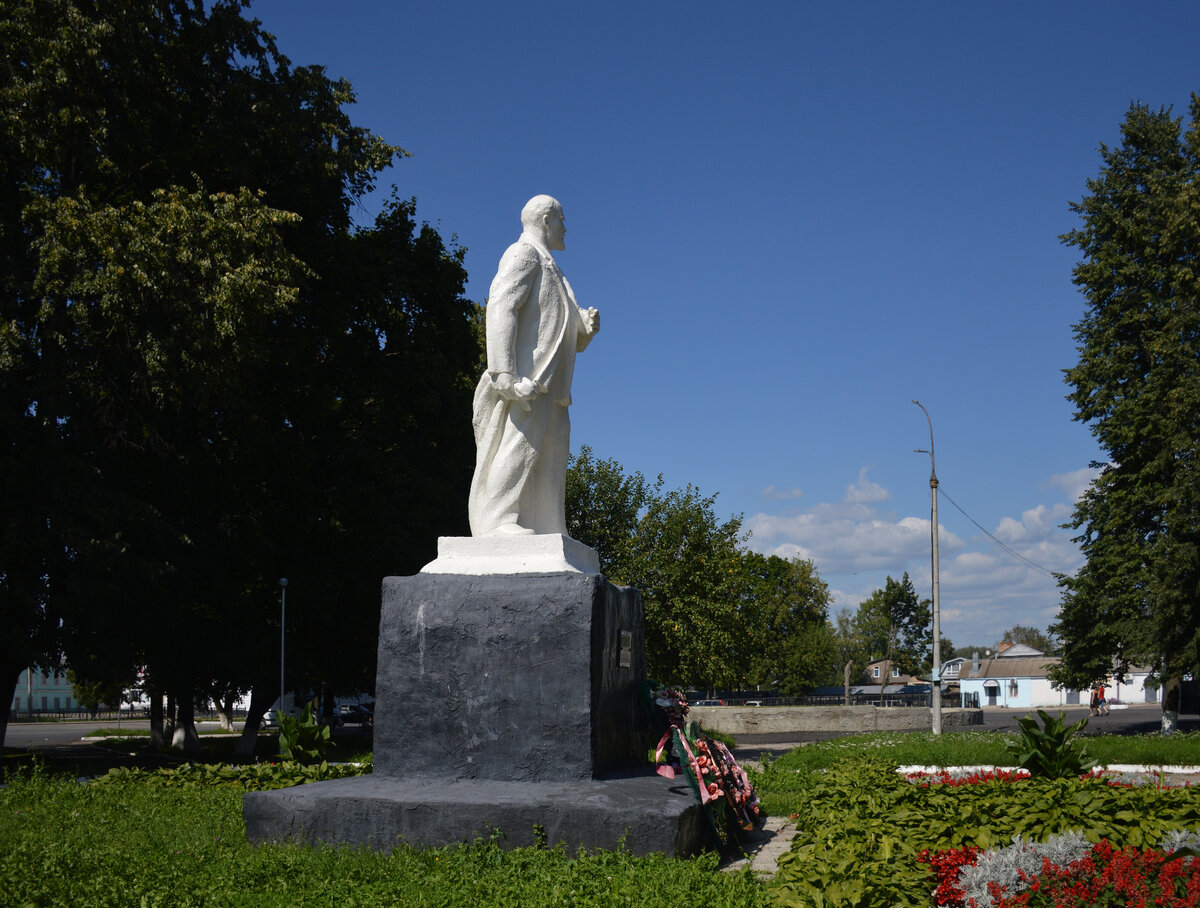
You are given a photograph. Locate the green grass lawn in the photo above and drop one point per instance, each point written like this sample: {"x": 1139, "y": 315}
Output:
{"x": 65, "y": 843}
{"x": 980, "y": 748}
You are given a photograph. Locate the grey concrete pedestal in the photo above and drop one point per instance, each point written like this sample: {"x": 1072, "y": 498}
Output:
{"x": 643, "y": 813}
{"x": 504, "y": 703}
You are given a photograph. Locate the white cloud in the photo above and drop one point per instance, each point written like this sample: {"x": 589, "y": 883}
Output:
{"x": 1074, "y": 484}
{"x": 865, "y": 492}
{"x": 984, "y": 589}
{"x": 773, "y": 494}
{"x": 846, "y": 539}
{"x": 1035, "y": 524}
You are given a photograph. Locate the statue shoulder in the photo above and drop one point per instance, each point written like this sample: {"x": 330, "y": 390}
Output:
{"x": 520, "y": 256}
{"x": 519, "y": 269}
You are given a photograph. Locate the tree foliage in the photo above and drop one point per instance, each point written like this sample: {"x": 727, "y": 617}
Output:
{"x": 716, "y": 614}
{"x": 785, "y": 615}
{"x": 1031, "y": 636}
{"x": 210, "y": 377}
{"x": 850, "y": 649}
{"x": 895, "y": 623}
{"x": 1136, "y": 384}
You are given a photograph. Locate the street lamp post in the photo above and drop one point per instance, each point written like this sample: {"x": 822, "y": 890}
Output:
{"x": 282, "y": 629}
{"x": 937, "y": 622}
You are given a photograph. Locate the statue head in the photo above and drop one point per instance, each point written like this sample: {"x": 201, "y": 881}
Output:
{"x": 543, "y": 217}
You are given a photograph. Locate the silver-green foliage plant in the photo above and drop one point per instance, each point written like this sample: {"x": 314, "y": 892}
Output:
{"x": 1009, "y": 867}
{"x": 1052, "y": 751}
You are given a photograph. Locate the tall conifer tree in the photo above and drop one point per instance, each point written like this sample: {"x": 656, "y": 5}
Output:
{"x": 1136, "y": 600}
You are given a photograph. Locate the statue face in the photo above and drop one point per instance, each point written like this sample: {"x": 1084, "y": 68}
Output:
{"x": 556, "y": 229}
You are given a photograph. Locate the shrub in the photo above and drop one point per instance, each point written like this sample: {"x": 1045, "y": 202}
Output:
{"x": 1052, "y": 751}
{"x": 303, "y": 739}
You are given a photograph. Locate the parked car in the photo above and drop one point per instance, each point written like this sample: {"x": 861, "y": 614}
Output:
{"x": 709, "y": 703}
{"x": 356, "y": 714}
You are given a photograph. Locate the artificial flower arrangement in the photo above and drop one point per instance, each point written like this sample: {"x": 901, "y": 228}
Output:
{"x": 720, "y": 784}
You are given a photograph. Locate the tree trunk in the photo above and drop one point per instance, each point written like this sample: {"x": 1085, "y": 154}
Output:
{"x": 8, "y": 689}
{"x": 1170, "y": 714}
{"x": 327, "y": 704}
{"x": 185, "y": 737}
{"x": 846, "y": 683}
{"x": 259, "y": 701}
{"x": 157, "y": 737}
{"x": 224, "y": 710}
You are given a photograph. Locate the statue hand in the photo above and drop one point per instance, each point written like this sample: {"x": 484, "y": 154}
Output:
{"x": 591, "y": 320}
{"x": 519, "y": 390}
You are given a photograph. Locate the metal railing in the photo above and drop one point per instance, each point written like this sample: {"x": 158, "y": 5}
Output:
{"x": 103, "y": 714}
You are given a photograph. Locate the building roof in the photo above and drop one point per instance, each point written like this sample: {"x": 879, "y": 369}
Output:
{"x": 1017, "y": 650}
{"x": 1010, "y": 667}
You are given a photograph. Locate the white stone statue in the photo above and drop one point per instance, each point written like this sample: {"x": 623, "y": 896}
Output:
{"x": 521, "y": 420}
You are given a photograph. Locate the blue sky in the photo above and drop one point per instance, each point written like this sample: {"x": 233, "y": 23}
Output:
{"x": 794, "y": 218}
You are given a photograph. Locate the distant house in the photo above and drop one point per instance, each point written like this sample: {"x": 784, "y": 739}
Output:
{"x": 883, "y": 673}
{"x": 951, "y": 669}
{"x": 1016, "y": 677}
{"x": 43, "y": 690}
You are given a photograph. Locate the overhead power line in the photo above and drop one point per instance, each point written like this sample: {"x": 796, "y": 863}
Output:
{"x": 1015, "y": 554}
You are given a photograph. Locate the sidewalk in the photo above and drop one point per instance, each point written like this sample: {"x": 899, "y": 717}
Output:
{"x": 763, "y": 849}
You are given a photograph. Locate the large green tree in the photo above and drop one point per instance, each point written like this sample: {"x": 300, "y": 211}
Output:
{"x": 1136, "y": 384}
{"x": 686, "y": 562}
{"x": 716, "y": 614}
{"x": 785, "y": 612}
{"x": 895, "y": 623}
{"x": 210, "y": 377}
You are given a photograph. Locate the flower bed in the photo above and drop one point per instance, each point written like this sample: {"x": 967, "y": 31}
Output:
{"x": 1068, "y": 871}
{"x": 869, "y": 836}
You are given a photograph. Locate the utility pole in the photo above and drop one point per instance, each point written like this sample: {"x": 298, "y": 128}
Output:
{"x": 282, "y": 629}
{"x": 937, "y": 622}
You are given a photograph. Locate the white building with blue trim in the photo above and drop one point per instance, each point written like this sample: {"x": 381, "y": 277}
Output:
{"x": 1016, "y": 678}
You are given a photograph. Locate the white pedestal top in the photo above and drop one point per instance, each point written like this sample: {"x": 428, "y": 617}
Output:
{"x": 531, "y": 554}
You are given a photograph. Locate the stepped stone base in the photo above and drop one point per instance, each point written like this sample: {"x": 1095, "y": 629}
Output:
{"x": 646, "y": 813}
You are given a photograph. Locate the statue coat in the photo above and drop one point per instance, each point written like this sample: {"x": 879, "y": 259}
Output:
{"x": 534, "y": 329}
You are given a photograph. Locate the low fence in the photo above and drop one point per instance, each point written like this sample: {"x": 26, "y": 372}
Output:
{"x": 899, "y": 698}
{"x": 777, "y": 720}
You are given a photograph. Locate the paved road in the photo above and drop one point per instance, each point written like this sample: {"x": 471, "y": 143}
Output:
{"x": 59, "y": 734}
